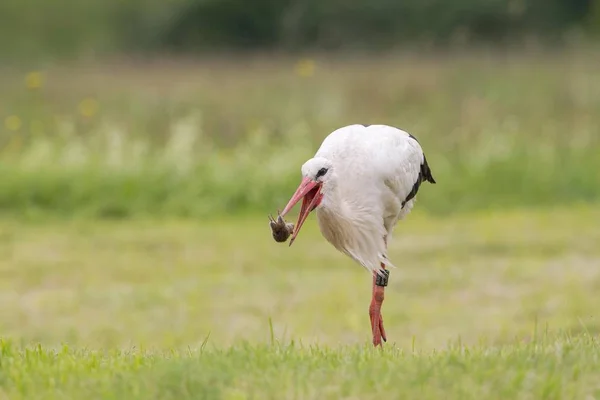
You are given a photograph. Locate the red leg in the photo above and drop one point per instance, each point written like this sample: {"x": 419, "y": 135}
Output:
{"x": 375, "y": 312}
{"x": 375, "y": 308}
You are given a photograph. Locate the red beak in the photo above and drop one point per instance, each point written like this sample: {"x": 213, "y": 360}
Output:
{"x": 310, "y": 193}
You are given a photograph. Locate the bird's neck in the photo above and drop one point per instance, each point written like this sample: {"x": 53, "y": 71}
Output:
{"x": 339, "y": 219}
{"x": 335, "y": 205}
{"x": 353, "y": 228}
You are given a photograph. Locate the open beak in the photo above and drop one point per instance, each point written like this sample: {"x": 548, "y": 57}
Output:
{"x": 310, "y": 193}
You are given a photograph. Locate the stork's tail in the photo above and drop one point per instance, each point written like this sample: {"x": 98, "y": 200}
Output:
{"x": 426, "y": 171}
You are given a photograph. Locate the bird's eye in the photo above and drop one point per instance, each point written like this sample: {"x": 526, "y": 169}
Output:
{"x": 321, "y": 172}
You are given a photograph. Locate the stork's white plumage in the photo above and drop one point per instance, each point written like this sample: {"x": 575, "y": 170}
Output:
{"x": 362, "y": 181}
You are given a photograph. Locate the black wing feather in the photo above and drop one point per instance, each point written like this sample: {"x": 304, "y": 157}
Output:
{"x": 424, "y": 175}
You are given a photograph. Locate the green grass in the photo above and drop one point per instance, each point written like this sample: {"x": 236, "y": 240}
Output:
{"x": 200, "y": 138}
{"x": 483, "y": 305}
{"x": 549, "y": 368}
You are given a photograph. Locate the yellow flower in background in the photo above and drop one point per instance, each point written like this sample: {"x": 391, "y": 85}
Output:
{"x": 88, "y": 107}
{"x": 34, "y": 80}
{"x": 12, "y": 123}
{"x": 305, "y": 68}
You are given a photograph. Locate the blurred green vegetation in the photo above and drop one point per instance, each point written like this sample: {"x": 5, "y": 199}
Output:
{"x": 41, "y": 29}
{"x": 200, "y": 138}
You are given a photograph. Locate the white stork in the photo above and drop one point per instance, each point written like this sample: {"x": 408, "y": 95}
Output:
{"x": 362, "y": 181}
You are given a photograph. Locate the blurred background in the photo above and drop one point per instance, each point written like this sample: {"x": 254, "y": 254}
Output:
{"x": 179, "y": 98}
{"x": 143, "y": 142}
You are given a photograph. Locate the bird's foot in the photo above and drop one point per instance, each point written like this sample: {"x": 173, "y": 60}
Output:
{"x": 377, "y": 328}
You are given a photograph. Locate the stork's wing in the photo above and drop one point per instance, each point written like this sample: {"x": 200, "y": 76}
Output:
{"x": 402, "y": 167}
{"x": 408, "y": 168}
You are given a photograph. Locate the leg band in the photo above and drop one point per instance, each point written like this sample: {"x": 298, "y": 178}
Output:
{"x": 382, "y": 280}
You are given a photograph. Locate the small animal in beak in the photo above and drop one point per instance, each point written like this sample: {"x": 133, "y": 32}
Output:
{"x": 281, "y": 230}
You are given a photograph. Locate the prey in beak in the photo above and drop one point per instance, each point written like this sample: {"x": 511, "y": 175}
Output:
{"x": 280, "y": 229}
{"x": 309, "y": 192}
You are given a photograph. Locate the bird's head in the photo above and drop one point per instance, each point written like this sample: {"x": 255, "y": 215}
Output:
{"x": 316, "y": 181}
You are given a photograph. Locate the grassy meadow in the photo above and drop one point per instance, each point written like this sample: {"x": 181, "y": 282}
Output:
{"x": 500, "y": 305}
{"x": 136, "y": 259}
